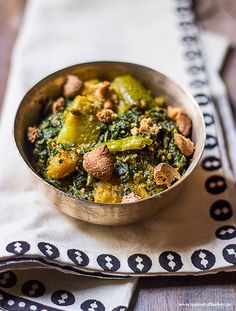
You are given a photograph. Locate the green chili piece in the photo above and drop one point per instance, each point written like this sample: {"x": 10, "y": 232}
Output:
{"x": 131, "y": 92}
{"x": 128, "y": 143}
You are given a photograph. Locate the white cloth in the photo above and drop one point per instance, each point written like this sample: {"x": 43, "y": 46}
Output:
{"x": 190, "y": 236}
{"x": 215, "y": 47}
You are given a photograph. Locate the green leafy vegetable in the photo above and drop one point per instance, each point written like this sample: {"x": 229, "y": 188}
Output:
{"x": 77, "y": 130}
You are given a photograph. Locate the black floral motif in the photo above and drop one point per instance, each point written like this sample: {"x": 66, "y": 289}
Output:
{"x": 49, "y": 250}
{"x": 92, "y": 305}
{"x": 211, "y": 141}
{"x": 7, "y": 279}
{"x": 226, "y": 232}
{"x": 33, "y": 288}
{"x": 203, "y": 259}
{"x": 192, "y": 55}
{"x": 78, "y": 257}
{"x": 185, "y": 24}
{"x": 202, "y": 99}
{"x": 170, "y": 261}
{"x": 18, "y": 247}
{"x": 221, "y": 210}
{"x": 215, "y": 184}
{"x": 108, "y": 262}
{"x": 63, "y": 298}
{"x": 14, "y": 303}
{"x": 197, "y": 84}
{"x": 189, "y": 39}
{"x": 211, "y": 163}
{"x": 194, "y": 70}
{"x": 229, "y": 253}
{"x": 209, "y": 120}
{"x": 139, "y": 263}
{"x": 183, "y": 9}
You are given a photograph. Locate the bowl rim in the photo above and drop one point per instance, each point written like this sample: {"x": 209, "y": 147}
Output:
{"x": 112, "y": 205}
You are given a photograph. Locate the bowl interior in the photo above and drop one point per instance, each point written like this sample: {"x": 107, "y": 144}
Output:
{"x": 31, "y": 107}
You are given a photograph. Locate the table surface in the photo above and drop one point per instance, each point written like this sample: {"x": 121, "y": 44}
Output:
{"x": 160, "y": 293}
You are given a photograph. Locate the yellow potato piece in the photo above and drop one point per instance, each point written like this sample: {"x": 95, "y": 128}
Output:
{"x": 105, "y": 192}
{"x": 62, "y": 164}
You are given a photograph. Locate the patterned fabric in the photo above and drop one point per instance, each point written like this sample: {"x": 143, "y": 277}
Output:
{"x": 31, "y": 290}
{"x": 47, "y": 259}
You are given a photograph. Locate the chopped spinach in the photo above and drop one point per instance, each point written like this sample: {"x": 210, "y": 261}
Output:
{"x": 120, "y": 128}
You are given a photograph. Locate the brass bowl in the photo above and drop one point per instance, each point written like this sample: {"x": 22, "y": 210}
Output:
{"x": 29, "y": 114}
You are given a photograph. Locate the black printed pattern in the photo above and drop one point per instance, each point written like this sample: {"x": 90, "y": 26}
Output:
{"x": 229, "y": 253}
{"x": 215, "y": 184}
{"x": 92, "y": 305}
{"x": 170, "y": 261}
{"x": 209, "y": 120}
{"x": 12, "y": 303}
{"x": 36, "y": 289}
{"x": 202, "y": 99}
{"x": 193, "y": 70}
{"x": 49, "y": 250}
{"x": 7, "y": 279}
{"x": 63, "y": 298}
{"x": 203, "y": 259}
{"x": 197, "y": 84}
{"x": 108, "y": 262}
{"x": 211, "y": 141}
{"x": 192, "y": 55}
{"x": 33, "y": 288}
{"x": 188, "y": 40}
{"x": 226, "y": 232}
{"x": 221, "y": 210}
{"x": 18, "y": 247}
{"x": 211, "y": 163}
{"x": 78, "y": 257}
{"x": 139, "y": 263}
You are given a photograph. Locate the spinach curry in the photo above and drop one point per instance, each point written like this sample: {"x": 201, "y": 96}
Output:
{"x": 111, "y": 141}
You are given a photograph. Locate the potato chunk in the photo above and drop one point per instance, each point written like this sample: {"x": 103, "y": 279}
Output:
{"x": 106, "y": 192}
{"x": 62, "y": 164}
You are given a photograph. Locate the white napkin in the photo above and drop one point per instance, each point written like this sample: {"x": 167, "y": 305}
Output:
{"x": 215, "y": 47}
{"x": 181, "y": 239}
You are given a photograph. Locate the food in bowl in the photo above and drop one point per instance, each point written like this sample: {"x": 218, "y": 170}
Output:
{"x": 111, "y": 141}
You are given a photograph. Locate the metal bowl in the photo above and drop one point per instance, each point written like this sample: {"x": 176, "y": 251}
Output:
{"x": 29, "y": 113}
